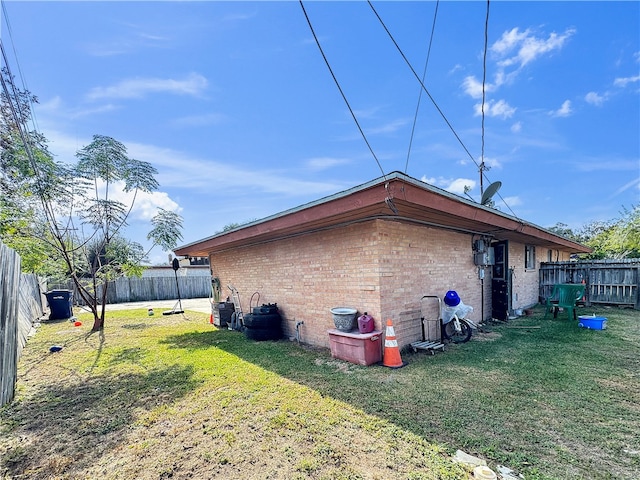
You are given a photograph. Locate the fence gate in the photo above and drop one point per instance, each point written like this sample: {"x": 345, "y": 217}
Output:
{"x": 612, "y": 282}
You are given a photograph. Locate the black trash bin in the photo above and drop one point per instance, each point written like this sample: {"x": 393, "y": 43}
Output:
{"x": 60, "y": 303}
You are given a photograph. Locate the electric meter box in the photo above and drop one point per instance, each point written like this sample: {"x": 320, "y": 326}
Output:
{"x": 485, "y": 258}
{"x": 480, "y": 246}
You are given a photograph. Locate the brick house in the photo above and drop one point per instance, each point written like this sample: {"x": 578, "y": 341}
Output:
{"x": 379, "y": 248}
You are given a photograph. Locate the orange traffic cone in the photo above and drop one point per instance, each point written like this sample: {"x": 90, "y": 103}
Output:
{"x": 211, "y": 319}
{"x": 391, "y": 357}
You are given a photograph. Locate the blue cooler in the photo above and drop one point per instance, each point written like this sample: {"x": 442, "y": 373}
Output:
{"x": 592, "y": 323}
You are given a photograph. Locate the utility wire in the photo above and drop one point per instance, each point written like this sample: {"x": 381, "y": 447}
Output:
{"x": 424, "y": 74}
{"x": 18, "y": 116}
{"x": 484, "y": 81}
{"x": 482, "y": 167}
{"x": 341, "y": 91}
{"x": 431, "y": 97}
{"x": 15, "y": 55}
{"x": 16, "y": 110}
{"x": 423, "y": 86}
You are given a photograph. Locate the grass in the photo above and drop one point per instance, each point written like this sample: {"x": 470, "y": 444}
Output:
{"x": 173, "y": 397}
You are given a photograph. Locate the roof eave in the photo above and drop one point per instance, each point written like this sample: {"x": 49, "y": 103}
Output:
{"x": 385, "y": 197}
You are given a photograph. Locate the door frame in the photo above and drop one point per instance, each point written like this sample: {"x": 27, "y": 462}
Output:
{"x": 502, "y": 272}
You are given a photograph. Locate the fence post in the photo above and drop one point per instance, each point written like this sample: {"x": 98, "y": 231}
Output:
{"x": 587, "y": 286}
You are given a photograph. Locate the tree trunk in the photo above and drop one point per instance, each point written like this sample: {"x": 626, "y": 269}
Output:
{"x": 98, "y": 316}
{"x": 98, "y": 325}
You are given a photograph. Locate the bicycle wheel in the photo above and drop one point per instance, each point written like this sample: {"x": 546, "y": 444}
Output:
{"x": 452, "y": 334}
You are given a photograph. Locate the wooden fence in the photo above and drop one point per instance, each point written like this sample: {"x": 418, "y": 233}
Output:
{"x": 135, "y": 289}
{"x": 611, "y": 282}
{"x": 20, "y": 306}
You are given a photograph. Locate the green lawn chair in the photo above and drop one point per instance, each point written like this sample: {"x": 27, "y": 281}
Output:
{"x": 564, "y": 295}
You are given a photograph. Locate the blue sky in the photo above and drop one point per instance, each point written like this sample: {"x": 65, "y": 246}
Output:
{"x": 233, "y": 104}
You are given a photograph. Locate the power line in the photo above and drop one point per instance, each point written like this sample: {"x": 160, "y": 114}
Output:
{"x": 484, "y": 80}
{"x": 424, "y": 88}
{"x": 424, "y": 74}
{"x": 19, "y": 118}
{"x": 341, "y": 91}
{"x": 15, "y": 55}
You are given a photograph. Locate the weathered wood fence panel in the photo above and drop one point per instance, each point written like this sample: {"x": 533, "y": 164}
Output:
{"x": 9, "y": 282}
{"x": 135, "y": 289}
{"x": 30, "y": 306}
{"x": 613, "y": 282}
{"x": 20, "y": 306}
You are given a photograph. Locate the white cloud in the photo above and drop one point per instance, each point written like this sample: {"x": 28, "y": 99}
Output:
{"x": 56, "y": 107}
{"x": 472, "y": 87}
{"x": 492, "y": 163}
{"x": 193, "y": 84}
{"x": 527, "y": 46}
{"x": 371, "y": 112}
{"x": 455, "y": 68}
{"x": 84, "y": 112}
{"x": 608, "y": 164}
{"x": 52, "y": 105}
{"x": 564, "y": 111}
{"x": 389, "y": 127}
{"x": 516, "y": 127}
{"x": 508, "y": 202}
{"x": 499, "y": 109}
{"x": 595, "y": 99}
{"x": 456, "y": 185}
{"x": 178, "y": 169}
{"x": 132, "y": 41}
{"x": 512, "y": 51}
{"x": 623, "y": 82}
{"x": 509, "y": 40}
{"x": 459, "y": 184}
{"x": 145, "y": 205}
{"x": 429, "y": 180}
{"x": 635, "y": 183}
{"x": 323, "y": 163}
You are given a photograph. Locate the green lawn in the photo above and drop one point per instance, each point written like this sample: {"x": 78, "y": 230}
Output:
{"x": 174, "y": 397}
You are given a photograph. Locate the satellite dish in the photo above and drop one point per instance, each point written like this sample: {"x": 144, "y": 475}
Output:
{"x": 490, "y": 192}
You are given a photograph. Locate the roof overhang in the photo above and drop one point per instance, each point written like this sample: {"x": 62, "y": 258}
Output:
{"x": 395, "y": 196}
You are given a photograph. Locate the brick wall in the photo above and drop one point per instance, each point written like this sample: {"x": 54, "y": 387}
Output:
{"x": 525, "y": 280}
{"x": 417, "y": 261}
{"x": 381, "y": 267}
{"x": 306, "y": 276}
